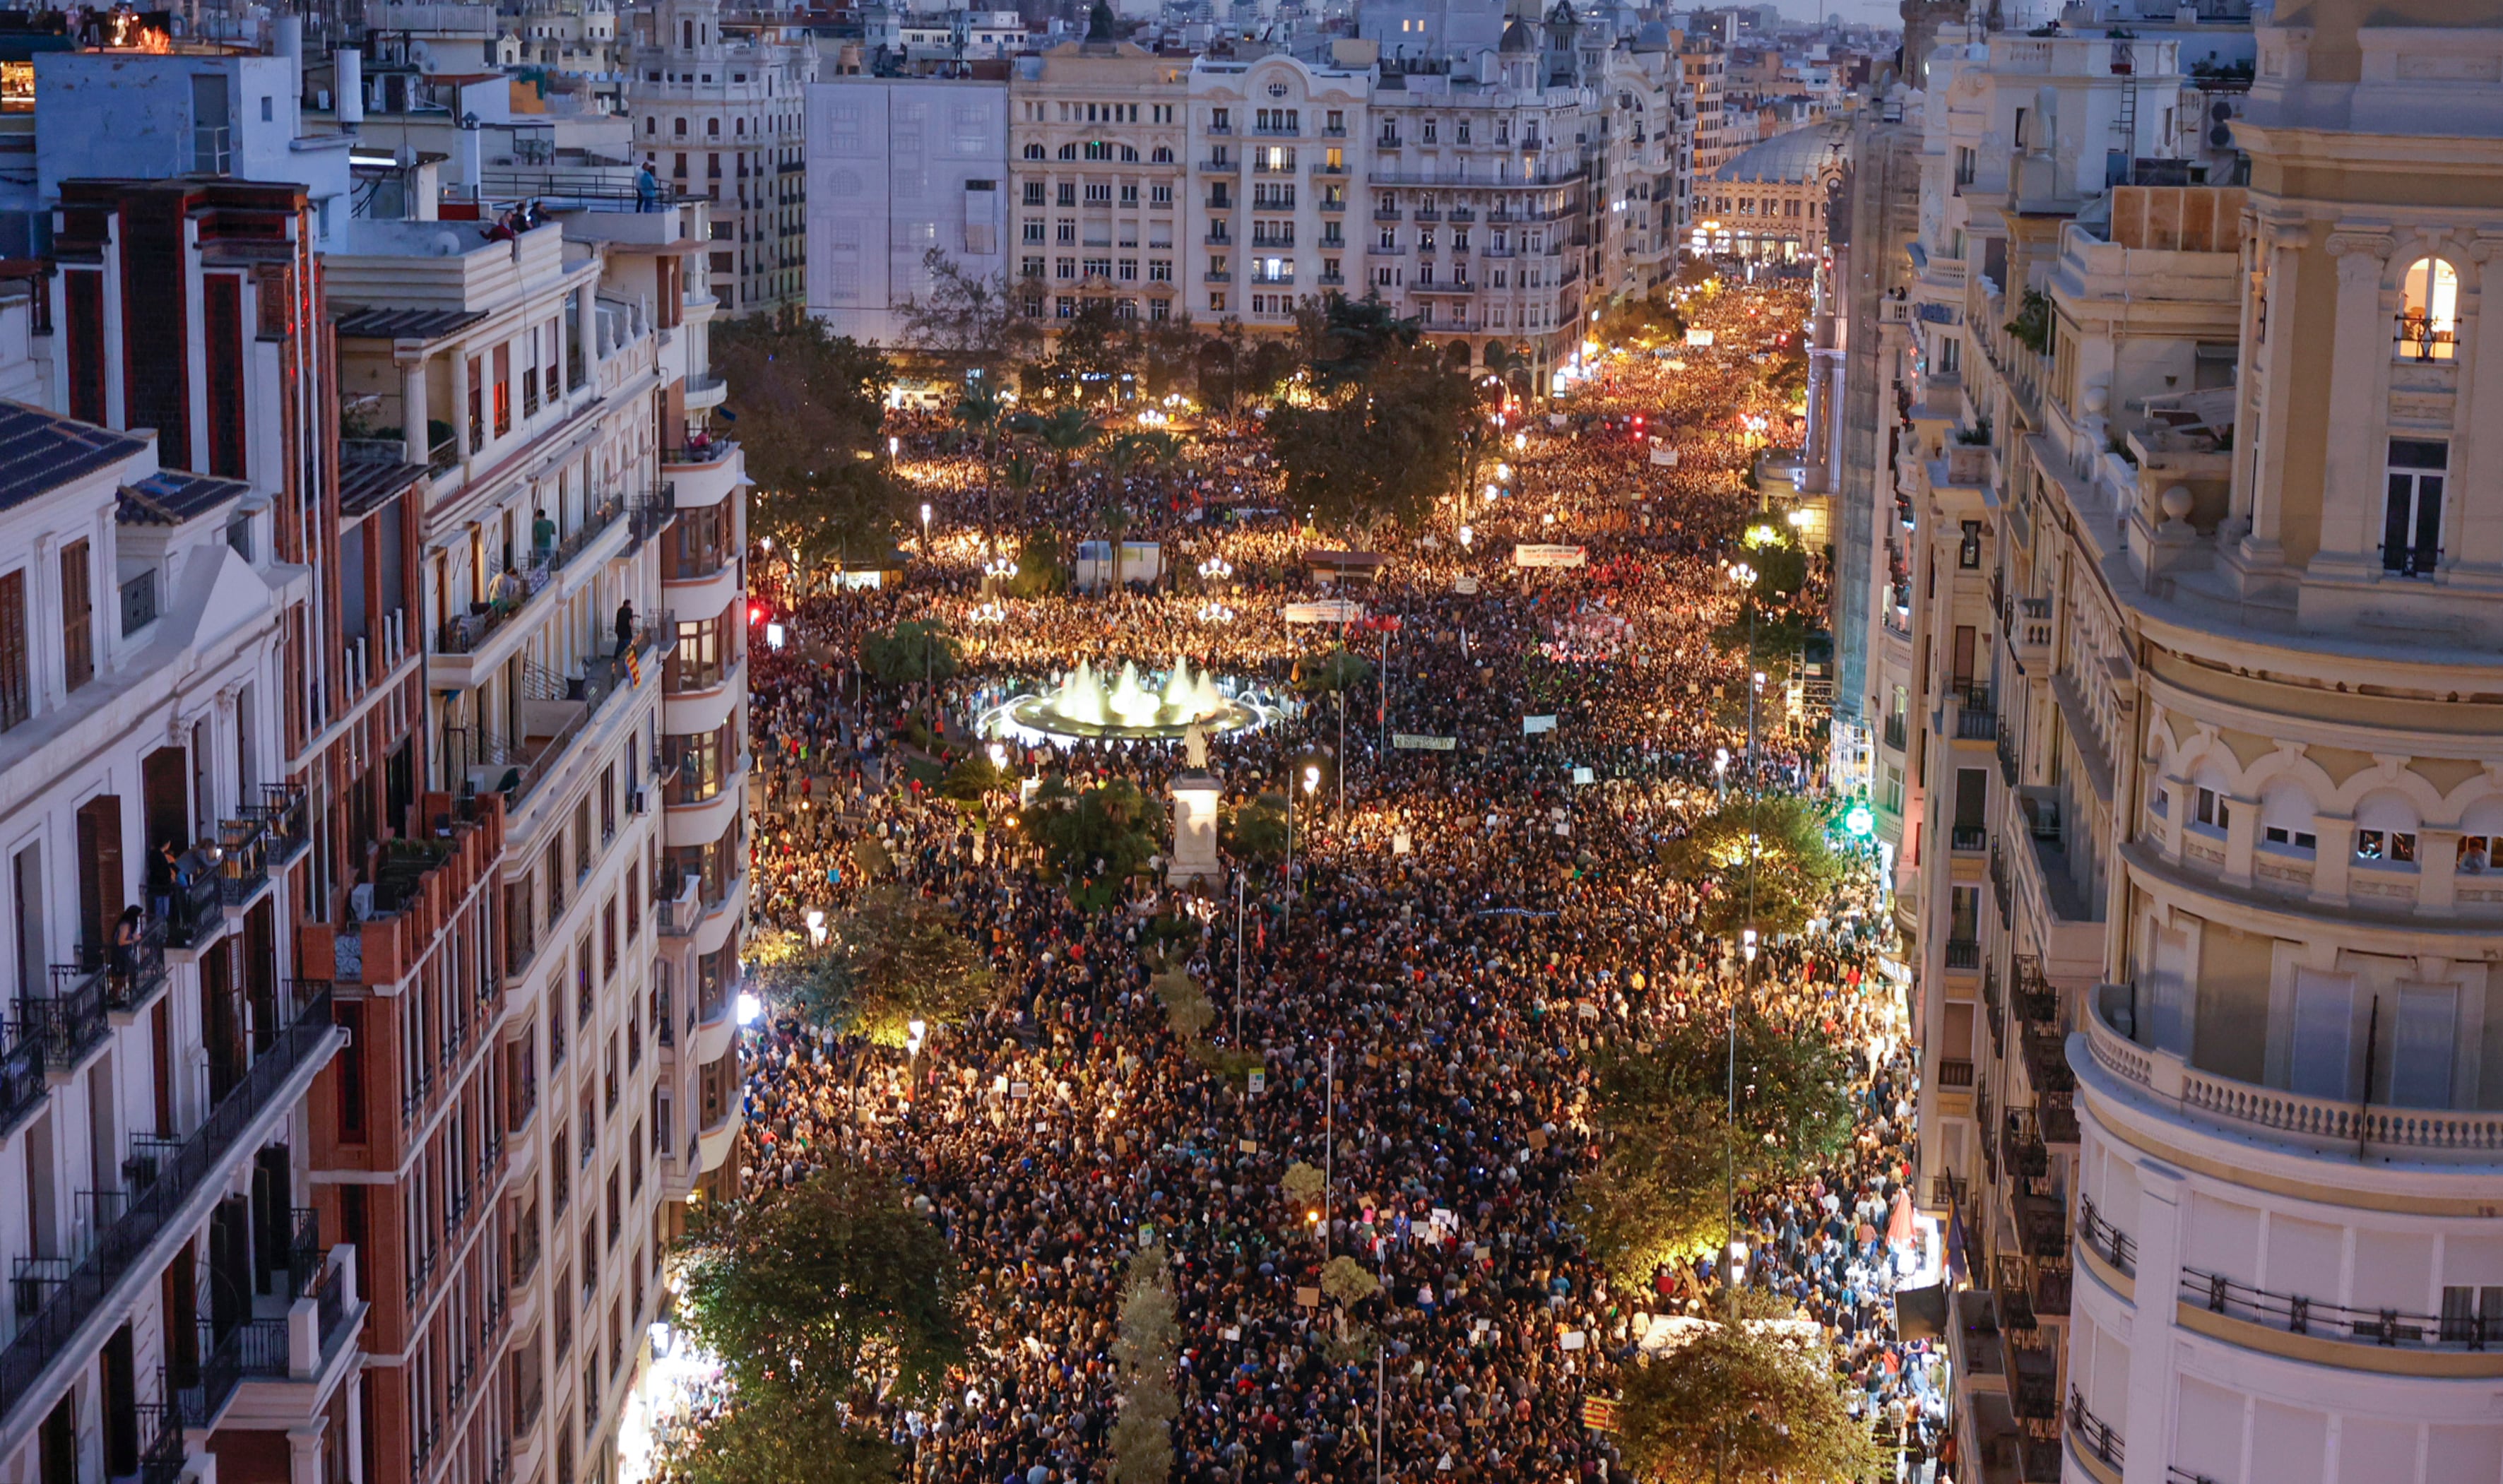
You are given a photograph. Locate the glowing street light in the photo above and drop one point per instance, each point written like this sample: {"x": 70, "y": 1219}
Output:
{"x": 1312, "y": 777}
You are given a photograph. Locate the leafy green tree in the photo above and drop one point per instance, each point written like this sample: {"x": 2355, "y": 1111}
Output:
{"x": 1040, "y": 568}
{"x": 1186, "y": 1006}
{"x": 1301, "y": 1182}
{"x": 913, "y": 649}
{"x": 1067, "y": 431}
{"x": 975, "y": 777}
{"x": 773, "y": 1435}
{"x": 1343, "y": 340}
{"x": 842, "y": 511}
{"x": 1349, "y": 1281}
{"x": 812, "y": 401}
{"x": 1795, "y": 868}
{"x": 1381, "y": 453}
{"x": 1095, "y": 840}
{"x": 1646, "y": 322}
{"x": 892, "y": 959}
{"x": 1257, "y": 830}
{"x": 1341, "y": 669}
{"x": 1735, "y": 1404}
{"x": 827, "y": 1294}
{"x": 1670, "y": 1147}
{"x": 1146, "y": 1347}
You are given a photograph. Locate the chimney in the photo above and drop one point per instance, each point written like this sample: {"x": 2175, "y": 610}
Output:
{"x": 350, "y": 65}
{"x": 286, "y": 40}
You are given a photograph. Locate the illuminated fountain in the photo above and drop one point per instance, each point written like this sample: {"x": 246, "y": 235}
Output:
{"x": 1135, "y": 705}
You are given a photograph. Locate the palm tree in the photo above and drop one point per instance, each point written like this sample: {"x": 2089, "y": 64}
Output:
{"x": 979, "y": 410}
{"x": 1066, "y": 432}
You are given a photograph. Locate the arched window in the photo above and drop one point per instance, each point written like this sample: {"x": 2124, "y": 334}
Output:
{"x": 1162, "y": 155}
{"x": 2287, "y": 818}
{"x": 2430, "y": 324}
{"x": 1130, "y": 155}
{"x": 1034, "y": 151}
{"x": 2481, "y": 838}
{"x": 2385, "y": 831}
{"x": 1069, "y": 151}
{"x": 2211, "y": 800}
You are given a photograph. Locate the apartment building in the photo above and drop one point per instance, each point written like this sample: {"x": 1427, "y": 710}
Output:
{"x": 717, "y": 99}
{"x": 493, "y": 764}
{"x": 1278, "y": 154}
{"x": 902, "y": 165}
{"x": 1101, "y": 191}
{"x": 1482, "y": 194}
{"x": 1706, "y": 65}
{"x": 1638, "y": 217}
{"x": 2200, "y": 768}
{"x": 163, "y": 704}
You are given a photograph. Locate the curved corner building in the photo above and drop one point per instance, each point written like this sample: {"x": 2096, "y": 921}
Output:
{"x": 2192, "y": 664}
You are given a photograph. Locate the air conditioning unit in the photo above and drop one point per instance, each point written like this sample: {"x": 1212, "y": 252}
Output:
{"x": 637, "y": 801}
{"x": 2220, "y": 115}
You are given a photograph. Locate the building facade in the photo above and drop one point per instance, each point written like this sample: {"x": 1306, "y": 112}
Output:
{"x": 2184, "y": 670}
{"x": 458, "y": 827}
{"x": 717, "y": 98}
{"x": 900, "y": 167}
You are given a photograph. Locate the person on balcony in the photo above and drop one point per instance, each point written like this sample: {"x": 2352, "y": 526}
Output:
{"x": 625, "y": 629}
{"x": 647, "y": 188}
{"x": 542, "y": 537}
{"x": 507, "y": 593}
{"x": 123, "y": 960}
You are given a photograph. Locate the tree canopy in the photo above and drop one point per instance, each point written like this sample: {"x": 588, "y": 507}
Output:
{"x": 893, "y": 957}
{"x": 814, "y": 405}
{"x": 1146, "y": 1348}
{"x": 1661, "y": 1191}
{"x": 1795, "y": 868}
{"x": 1735, "y": 1404}
{"x": 1382, "y": 451}
{"x": 897, "y": 656}
{"x": 1095, "y": 840}
{"x": 828, "y": 1292}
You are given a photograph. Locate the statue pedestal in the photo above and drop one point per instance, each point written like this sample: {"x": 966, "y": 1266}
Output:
{"x": 1195, "y": 830}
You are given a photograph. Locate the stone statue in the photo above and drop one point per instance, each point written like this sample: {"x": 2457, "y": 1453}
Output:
{"x": 1194, "y": 747}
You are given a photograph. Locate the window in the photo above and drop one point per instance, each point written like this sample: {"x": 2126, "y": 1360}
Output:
{"x": 2411, "y": 517}
{"x": 1033, "y": 232}
{"x": 78, "y": 617}
{"x": 17, "y": 693}
{"x": 2286, "y": 819}
{"x": 2429, "y": 324}
{"x": 2385, "y": 831}
{"x": 1068, "y": 194}
{"x": 1033, "y": 192}
{"x": 2214, "y": 811}
{"x": 1969, "y": 549}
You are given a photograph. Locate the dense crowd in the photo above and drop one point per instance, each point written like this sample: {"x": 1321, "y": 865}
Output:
{"x": 1456, "y": 938}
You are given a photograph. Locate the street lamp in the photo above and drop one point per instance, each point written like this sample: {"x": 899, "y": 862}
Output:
{"x": 925, "y": 527}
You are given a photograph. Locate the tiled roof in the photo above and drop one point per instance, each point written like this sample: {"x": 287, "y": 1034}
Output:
{"x": 405, "y": 323}
{"x": 173, "y": 496}
{"x": 41, "y": 453}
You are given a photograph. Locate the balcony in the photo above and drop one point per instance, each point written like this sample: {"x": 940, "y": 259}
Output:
{"x": 21, "y": 1082}
{"x": 2343, "y": 1125}
{"x": 2389, "y": 1328}
{"x": 70, "y": 1022}
{"x": 1968, "y": 839}
{"x": 2118, "y": 1248}
{"x": 678, "y": 916}
{"x": 700, "y": 453}
{"x": 171, "y": 1204}
{"x": 2093, "y": 1438}
{"x": 1964, "y": 953}
{"x": 468, "y": 633}
{"x": 1898, "y": 733}
{"x": 558, "y": 708}
{"x": 1974, "y": 720}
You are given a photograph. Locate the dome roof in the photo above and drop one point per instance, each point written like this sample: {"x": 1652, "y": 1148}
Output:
{"x": 1799, "y": 155}
{"x": 1652, "y": 37}
{"x": 1517, "y": 37}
